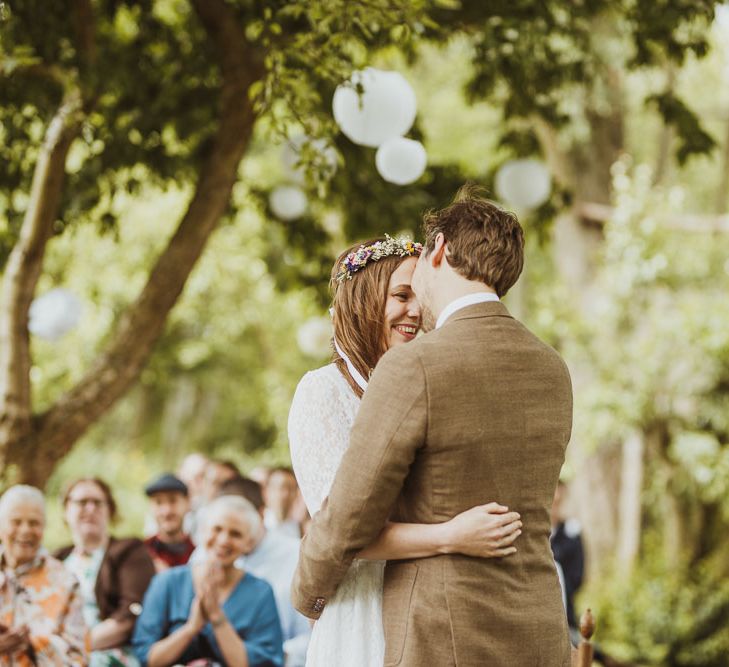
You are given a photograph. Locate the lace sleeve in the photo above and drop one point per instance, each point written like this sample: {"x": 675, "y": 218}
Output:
{"x": 319, "y": 423}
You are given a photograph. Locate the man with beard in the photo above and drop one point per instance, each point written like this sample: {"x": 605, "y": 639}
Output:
{"x": 171, "y": 546}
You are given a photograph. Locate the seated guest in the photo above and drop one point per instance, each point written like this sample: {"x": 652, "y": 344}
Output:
{"x": 41, "y": 622}
{"x": 280, "y": 494}
{"x": 212, "y": 610}
{"x": 217, "y": 473}
{"x": 273, "y": 557}
{"x": 192, "y": 471}
{"x": 259, "y": 474}
{"x": 170, "y": 546}
{"x": 113, "y": 573}
{"x": 300, "y": 514}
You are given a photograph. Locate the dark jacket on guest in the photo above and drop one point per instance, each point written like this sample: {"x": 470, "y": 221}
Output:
{"x": 123, "y": 578}
{"x": 568, "y": 552}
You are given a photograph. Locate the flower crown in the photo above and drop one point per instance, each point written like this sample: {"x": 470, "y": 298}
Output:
{"x": 358, "y": 259}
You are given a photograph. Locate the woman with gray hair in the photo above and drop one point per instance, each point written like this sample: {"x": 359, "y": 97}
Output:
{"x": 212, "y": 611}
{"x": 41, "y": 621}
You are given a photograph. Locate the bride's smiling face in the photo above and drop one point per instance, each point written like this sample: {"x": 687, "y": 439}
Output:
{"x": 402, "y": 311}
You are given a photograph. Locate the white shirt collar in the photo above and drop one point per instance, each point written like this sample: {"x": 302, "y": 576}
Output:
{"x": 462, "y": 302}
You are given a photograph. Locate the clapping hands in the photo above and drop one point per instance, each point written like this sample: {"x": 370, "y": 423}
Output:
{"x": 196, "y": 620}
{"x": 206, "y": 604}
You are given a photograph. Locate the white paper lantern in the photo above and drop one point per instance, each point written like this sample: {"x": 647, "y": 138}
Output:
{"x": 314, "y": 336}
{"x": 401, "y": 161}
{"x": 288, "y": 202}
{"x": 325, "y": 157}
{"x": 54, "y": 314}
{"x": 524, "y": 184}
{"x": 386, "y": 108}
{"x": 721, "y": 16}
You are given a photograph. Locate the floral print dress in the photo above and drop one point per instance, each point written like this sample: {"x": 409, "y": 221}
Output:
{"x": 46, "y": 598}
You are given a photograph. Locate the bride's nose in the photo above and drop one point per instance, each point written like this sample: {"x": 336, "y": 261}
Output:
{"x": 414, "y": 309}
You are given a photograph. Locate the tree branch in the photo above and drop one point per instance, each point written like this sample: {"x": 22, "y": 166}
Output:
{"x": 35, "y": 69}
{"x": 557, "y": 160}
{"x": 119, "y": 366}
{"x": 85, "y": 29}
{"x": 24, "y": 267}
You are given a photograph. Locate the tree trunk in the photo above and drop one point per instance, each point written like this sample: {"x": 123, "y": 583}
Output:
{"x": 663, "y": 157}
{"x": 629, "y": 505}
{"x": 24, "y": 268}
{"x": 722, "y": 193}
{"x": 592, "y": 500}
{"x": 665, "y": 135}
{"x": 585, "y": 170}
{"x": 672, "y": 513}
{"x": 117, "y": 368}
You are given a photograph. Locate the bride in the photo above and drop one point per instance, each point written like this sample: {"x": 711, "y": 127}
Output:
{"x": 374, "y": 308}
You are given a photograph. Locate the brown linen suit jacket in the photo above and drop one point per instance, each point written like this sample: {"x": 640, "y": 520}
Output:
{"x": 476, "y": 411}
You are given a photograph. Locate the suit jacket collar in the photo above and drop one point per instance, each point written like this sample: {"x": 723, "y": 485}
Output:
{"x": 477, "y": 310}
{"x": 463, "y": 302}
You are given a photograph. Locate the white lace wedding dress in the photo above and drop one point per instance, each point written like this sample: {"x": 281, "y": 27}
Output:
{"x": 349, "y": 632}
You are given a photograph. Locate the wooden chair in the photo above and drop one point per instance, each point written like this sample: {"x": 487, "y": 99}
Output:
{"x": 582, "y": 657}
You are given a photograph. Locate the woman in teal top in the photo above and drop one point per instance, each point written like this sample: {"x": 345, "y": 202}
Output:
{"x": 212, "y": 610}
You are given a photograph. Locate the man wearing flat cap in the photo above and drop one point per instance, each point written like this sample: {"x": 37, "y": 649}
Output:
{"x": 171, "y": 546}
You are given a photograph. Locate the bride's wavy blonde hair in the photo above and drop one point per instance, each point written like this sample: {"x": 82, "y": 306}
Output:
{"x": 359, "y": 312}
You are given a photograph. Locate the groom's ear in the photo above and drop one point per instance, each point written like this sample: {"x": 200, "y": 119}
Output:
{"x": 438, "y": 253}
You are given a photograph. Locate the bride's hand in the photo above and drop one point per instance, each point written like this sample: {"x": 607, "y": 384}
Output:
{"x": 486, "y": 531}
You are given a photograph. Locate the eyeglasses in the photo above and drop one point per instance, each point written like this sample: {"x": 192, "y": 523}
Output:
{"x": 95, "y": 503}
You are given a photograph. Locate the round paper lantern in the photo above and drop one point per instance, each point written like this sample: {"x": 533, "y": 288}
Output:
{"x": 325, "y": 157}
{"x": 401, "y": 161}
{"x": 288, "y": 202}
{"x": 523, "y": 183}
{"x": 314, "y": 336}
{"x": 54, "y": 314}
{"x": 721, "y": 16}
{"x": 385, "y": 109}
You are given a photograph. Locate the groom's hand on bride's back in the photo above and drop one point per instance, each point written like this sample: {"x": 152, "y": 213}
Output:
{"x": 485, "y": 531}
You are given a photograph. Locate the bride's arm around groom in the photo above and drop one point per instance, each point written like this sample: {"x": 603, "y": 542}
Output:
{"x": 389, "y": 429}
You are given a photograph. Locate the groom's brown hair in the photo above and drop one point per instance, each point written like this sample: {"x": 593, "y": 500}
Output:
{"x": 485, "y": 242}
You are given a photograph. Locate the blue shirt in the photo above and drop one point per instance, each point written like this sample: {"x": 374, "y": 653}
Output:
{"x": 274, "y": 559}
{"x": 250, "y": 609}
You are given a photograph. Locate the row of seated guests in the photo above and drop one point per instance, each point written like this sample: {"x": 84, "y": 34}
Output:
{"x": 270, "y": 554}
{"x": 212, "y": 609}
{"x": 215, "y": 610}
{"x": 284, "y": 506}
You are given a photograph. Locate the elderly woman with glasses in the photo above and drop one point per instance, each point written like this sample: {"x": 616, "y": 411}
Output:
{"x": 114, "y": 573}
{"x": 41, "y": 621}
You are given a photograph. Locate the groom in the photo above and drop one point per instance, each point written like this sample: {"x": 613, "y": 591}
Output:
{"x": 476, "y": 410}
